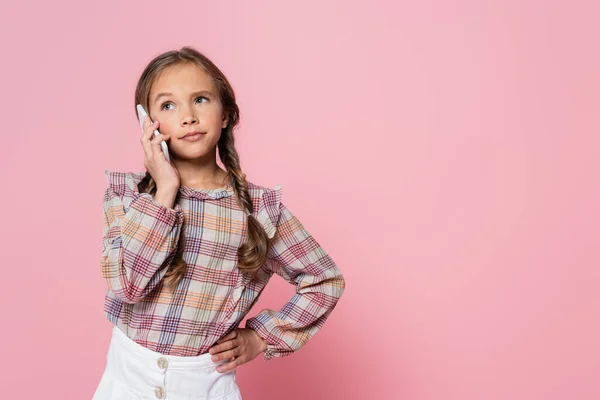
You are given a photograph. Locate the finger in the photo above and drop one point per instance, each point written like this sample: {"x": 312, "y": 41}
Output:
{"x": 234, "y": 352}
{"x": 229, "y": 366}
{"x": 147, "y": 127}
{"x": 145, "y": 122}
{"x": 147, "y": 136}
{"x": 149, "y": 131}
{"x": 229, "y": 336}
{"x": 156, "y": 146}
{"x": 225, "y": 346}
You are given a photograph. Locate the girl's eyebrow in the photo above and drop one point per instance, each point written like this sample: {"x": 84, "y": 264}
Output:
{"x": 165, "y": 94}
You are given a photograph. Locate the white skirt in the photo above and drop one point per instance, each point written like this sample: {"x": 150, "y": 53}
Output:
{"x": 134, "y": 372}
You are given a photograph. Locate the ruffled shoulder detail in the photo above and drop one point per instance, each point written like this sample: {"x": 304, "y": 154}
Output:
{"x": 124, "y": 183}
{"x": 267, "y": 206}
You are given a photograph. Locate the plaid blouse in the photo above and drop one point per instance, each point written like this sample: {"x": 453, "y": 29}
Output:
{"x": 140, "y": 239}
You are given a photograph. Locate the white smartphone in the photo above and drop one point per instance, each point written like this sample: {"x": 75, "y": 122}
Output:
{"x": 141, "y": 115}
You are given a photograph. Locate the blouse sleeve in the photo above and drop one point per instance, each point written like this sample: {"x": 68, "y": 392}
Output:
{"x": 297, "y": 257}
{"x": 140, "y": 238}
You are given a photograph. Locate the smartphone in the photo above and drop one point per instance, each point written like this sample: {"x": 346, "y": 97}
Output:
{"x": 141, "y": 115}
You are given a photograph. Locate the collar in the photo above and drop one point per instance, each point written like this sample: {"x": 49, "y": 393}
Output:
{"x": 187, "y": 192}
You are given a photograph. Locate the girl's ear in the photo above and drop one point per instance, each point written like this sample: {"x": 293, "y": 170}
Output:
{"x": 225, "y": 121}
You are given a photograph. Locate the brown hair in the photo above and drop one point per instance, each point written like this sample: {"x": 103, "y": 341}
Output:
{"x": 253, "y": 253}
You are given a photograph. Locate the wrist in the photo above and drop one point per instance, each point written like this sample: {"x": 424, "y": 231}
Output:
{"x": 263, "y": 345}
{"x": 166, "y": 196}
{"x": 263, "y": 342}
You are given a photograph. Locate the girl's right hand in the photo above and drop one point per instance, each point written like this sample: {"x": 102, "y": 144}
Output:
{"x": 164, "y": 174}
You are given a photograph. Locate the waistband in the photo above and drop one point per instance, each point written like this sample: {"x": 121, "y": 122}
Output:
{"x": 146, "y": 355}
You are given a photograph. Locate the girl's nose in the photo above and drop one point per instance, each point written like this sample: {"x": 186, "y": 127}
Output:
{"x": 190, "y": 119}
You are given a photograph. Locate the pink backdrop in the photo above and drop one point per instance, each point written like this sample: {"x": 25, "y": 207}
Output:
{"x": 444, "y": 153}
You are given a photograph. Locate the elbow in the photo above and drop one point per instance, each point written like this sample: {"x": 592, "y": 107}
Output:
{"x": 339, "y": 284}
{"x": 127, "y": 296}
{"x": 119, "y": 283}
{"x": 125, "y": 291}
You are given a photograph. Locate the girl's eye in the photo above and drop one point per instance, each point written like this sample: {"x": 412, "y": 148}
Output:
{"x": 169, "y": 103}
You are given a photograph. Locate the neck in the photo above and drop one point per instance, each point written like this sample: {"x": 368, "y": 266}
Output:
{"x": 200, "y": 173}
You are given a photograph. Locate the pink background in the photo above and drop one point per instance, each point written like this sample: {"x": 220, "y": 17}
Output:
{"x": 444, "y": 153}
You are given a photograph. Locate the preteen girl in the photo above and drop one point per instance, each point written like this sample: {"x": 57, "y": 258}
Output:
{"x": 188, "y": 248}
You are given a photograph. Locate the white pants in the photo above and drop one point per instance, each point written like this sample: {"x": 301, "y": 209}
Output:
{"x": 134, "y": 372}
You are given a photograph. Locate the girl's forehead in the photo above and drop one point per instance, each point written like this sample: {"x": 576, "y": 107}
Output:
{"x": 183, "y": 77}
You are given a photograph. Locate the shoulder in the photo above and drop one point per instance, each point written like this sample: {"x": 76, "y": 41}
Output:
{"x": 265, "y": 197}
{"x": 259, "y": 190}
{"x": 267, "y": 205}
{"x": 123, "y": 183}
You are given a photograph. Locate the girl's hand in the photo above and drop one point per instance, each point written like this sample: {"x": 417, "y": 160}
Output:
{"x": 163, "y": 173}
{"x": 243, "y": 345}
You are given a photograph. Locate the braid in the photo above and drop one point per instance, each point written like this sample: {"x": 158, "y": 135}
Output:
{"x": 253, "y": 253}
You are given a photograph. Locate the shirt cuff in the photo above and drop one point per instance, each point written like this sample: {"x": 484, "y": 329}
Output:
{"x": 270, "y": 351}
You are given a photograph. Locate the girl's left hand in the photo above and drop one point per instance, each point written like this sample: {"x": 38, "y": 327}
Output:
{"x": 242, "y": 344}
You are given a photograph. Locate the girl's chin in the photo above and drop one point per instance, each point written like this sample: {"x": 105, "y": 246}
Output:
{"x": 190, "y": 154}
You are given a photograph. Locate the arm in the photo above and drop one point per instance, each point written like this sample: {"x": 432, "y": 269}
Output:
{"x": 139, "y": 242}
{"x": 297, "y": 257}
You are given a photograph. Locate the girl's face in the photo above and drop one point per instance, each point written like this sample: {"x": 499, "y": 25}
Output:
{"x": 183, "y": 99}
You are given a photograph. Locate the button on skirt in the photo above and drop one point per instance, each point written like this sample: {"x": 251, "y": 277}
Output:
{"x": 134, "y": 372}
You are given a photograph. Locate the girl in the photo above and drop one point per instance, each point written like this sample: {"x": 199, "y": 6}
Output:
{"x": 188, "y": 248}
